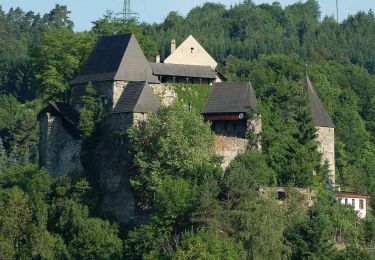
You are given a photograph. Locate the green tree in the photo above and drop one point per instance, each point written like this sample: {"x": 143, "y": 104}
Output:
{"x": 174, "y": 142}
{"x": 57, "y": 59}
{"x": 91, "y": 114}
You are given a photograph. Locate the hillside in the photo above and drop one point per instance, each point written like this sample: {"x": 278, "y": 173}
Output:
{"x": 187, "y": 206}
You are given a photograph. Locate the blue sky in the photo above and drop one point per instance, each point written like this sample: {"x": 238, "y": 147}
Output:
{"x": 85, "y": 11}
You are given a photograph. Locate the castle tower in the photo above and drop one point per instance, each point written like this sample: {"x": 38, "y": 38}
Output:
{"x": 325, "y": 128}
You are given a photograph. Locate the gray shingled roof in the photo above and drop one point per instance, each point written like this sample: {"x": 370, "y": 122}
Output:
{"x": 231, "y": 97}
{"x": 319, "y": 113}
{"x": 69, "y": 115}
{"x": 191, "y": 71}
{"x": 116, "y": 57}
{"x": 137, "y": 97}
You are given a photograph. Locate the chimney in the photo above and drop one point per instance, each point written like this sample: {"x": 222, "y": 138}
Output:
{"x": 157, "y": 59}
{"x": 173, "y": 45}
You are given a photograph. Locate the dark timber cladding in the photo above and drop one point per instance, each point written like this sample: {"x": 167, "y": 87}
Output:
{"x": 318, "y": 111}
{"x": 137, "y": 97}
{"x": 227, "y": 106}
{"x": 117, "y": 57}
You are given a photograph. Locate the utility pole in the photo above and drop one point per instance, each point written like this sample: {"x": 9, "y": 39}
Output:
{"x": 126, "y": 13}
{"x": 337, "y": 11}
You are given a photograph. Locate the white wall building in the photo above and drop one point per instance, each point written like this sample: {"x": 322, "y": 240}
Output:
{"x": 358, "y": 201}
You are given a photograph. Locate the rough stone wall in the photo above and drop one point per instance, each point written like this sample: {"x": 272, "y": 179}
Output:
{"x": 139, "y": 118}
{"x": 59, "y": 151}
{"x": 229, "y": 148}
{"x": 119, "y": 122}
{"x": 115, "y": 168}
{"x": 255, "y": 125}
{"x": 326, "y": 146}
{"x": 165, "y": 93}
{"x": 309, "y": 195}
{"x": 104, "y": 89}
{"x": 118, "y": 89}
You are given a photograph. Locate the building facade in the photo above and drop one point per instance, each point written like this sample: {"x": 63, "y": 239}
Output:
{"x": 357, "y": 201}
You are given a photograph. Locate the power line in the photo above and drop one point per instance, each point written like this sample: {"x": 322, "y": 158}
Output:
{"x": 126, "y": 13}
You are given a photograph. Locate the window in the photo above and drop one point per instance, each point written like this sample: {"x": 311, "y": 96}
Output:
{"x": 281, "y": 195}
{"x": 361, "y": 204}
{"x": 346, "y": 201}
{"x": 192, "y": 49}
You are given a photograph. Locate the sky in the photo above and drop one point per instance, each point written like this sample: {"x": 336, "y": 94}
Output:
{"x": 83, "y": 12}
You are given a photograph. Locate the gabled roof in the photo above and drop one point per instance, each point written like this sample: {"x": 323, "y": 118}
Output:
{"x": 190, "y": 52}
{"x": 181, "y": 70}
{"x": 69, "y": 115}
{"x": 137, "y": 97}
{"x": 231, "y": 97}
{"x": 116, "y": 57}
{"x": 318, "y": 111}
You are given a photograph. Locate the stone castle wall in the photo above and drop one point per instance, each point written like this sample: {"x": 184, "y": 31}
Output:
{"x": 229, "y": 148}
{"x": 59, "y": 151}
{"x": 326, "y": 146}
{"x": 109, "y": 90}
{"x": 119, "y": 122}
{"x": 165, "y": 93}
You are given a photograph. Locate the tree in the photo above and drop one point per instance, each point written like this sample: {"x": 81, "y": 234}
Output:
{"x": 174, "y": 142}
{"x": 57, "y": 59}
{"x": 59, "y": 18}
{"x": 92, "y": 112}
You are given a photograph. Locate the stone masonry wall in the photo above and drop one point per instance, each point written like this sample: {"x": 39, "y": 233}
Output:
{"x": 59, "y": 151}
{"x": 255, "y": 125}
{"x": 103, "y": 89}
{"x": 165, "y": 94}
{"x": 229, "y": 148}
{"x": 118, "y": 89}
{"x": 326, "y": 146}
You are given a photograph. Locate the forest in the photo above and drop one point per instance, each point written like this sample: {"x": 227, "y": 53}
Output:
{"x": 193, "y": 209}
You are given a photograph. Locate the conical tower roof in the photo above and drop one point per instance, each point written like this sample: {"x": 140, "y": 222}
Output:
{"x": 319, "y": 113}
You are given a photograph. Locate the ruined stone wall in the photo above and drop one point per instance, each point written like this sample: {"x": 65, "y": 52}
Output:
{"x": 165, "y": 93}
{"x": 255, "y": 125}
{"x": 326, "y": 146}
{"x": 229, "y": 148}
{"x": 59, "y": 151}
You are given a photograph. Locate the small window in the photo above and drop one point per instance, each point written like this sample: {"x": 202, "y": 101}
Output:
{"x": 346, "y": 201}
{"x": 361, "y": 204}
{"x": 281, "y": 195}
{"x": 192, "y": 49}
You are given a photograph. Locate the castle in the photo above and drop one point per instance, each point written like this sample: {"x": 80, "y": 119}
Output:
{"x": 130, "y": 87}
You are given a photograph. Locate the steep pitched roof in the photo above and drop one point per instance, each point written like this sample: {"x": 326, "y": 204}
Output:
{"x": 116, "y": 57}
{"x": 137, "y": 97}
{"x": 192, "y": 71}
{"x": 319, "y": 113}
{"x": 190, "y": 52}
{"x": 231, "y": 97}
{"x": 69, "y": 115}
